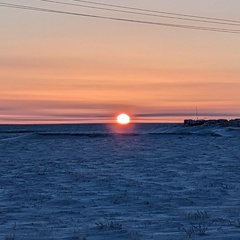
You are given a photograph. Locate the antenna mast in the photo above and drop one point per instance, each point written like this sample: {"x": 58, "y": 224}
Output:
{"x": 197, "y": 113}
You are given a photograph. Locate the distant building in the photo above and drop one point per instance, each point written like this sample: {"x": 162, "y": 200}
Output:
{"x": 234, "y": 122}
{"x": 212, "y": 122}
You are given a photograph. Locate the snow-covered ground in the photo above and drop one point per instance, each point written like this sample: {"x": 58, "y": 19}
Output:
{"x": 98, "y": 182}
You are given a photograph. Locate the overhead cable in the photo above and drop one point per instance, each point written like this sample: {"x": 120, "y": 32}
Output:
{"x": 25, "y": 7}
{"x": 143, "y": 14}
{"x": 157, "y": 11}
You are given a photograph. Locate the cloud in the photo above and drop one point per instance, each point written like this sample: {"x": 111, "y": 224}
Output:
{"x": 186, "y": 114}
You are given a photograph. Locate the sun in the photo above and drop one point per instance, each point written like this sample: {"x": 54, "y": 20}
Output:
{"x": 123, "y": 118}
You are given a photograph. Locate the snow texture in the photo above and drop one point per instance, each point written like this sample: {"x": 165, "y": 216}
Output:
{"x": 143, "y": 181}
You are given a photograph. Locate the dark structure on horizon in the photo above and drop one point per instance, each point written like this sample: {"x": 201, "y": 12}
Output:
{"x": 213, "y": 122}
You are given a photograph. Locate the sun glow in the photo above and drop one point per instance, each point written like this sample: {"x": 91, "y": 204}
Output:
{"x": 123, "y": 118}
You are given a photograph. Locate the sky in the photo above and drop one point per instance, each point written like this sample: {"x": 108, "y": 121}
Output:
{"x": 59, "y": 68}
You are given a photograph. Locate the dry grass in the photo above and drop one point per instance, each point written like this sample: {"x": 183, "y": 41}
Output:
{"x": 10, "y": 237}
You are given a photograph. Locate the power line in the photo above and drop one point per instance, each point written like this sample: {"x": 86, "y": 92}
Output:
{"x": 25, "y": 7}
{"x": 161, "y": 12}
{"x": 140, "y": 13}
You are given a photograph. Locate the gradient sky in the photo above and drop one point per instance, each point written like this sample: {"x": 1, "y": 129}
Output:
{"x": 60, "y": 68}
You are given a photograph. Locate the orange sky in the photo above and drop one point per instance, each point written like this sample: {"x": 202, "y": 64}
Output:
{"x": 57, "y": 68}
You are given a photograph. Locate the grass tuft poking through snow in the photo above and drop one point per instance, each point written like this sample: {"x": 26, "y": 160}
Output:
{"x": 10, "y": 237}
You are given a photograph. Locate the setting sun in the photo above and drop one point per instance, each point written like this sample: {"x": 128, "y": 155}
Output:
{"x": 123, "y": 118}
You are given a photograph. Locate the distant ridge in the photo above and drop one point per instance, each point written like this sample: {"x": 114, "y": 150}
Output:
{"x": 213, "y": 122}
